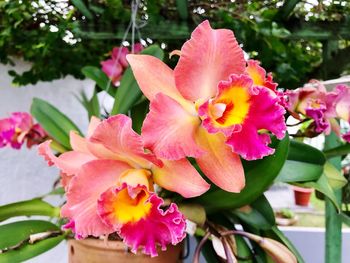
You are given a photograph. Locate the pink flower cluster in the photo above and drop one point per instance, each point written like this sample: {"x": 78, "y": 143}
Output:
{"x": 313, "y": 102}
{"x": 214, "y": 106}
{"x": 115, "y": 66}
{"x": 18, "y": 129}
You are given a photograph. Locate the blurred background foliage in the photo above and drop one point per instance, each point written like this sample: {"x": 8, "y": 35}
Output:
{"x": 297, "y": 40}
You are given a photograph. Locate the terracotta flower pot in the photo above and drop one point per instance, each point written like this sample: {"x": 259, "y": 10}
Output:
{"x": 302, "y": 195}
{"x": 97, "y": 251}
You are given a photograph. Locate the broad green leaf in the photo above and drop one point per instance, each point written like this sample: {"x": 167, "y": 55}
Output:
{"x": 294, "y": 171}
{"x": 80, "y": 5}
{"x": 338, "y": 151}
{"x": 243, "y": 250}
{"x": 28, "y": 251}
{"x": 28, "y": 208}
{"x": 259, "y": 176}
{"x": 13, "y": 233}
{"x": 101, "y": 79}
{"x": 304, "y": 163}
{"x": 259, "y": 214}
{"x": 129, "y": 92}
{"x": 302, "y": 152}
{"x": 335, "y": 177}
{"x": 54, "y": 122}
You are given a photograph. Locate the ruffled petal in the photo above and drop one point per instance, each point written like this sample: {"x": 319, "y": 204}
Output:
{"x": 84, "y": 190}
{"x": 320, "y": 121}
{"x": 139, "y": 219}
{"x": 180, "y": 177}
{"x": 168, "y": 130}
{"x": 259, "y": 76}
{"x": 207, "y": 58}
{"x": 252, "y": 141}
{"x": 116, "y": 135}
{"x": 153, "y": 76}
{"x": 346, "y": 137}
{"x": 68, "y": 162}
{"x": 222, "y": 166}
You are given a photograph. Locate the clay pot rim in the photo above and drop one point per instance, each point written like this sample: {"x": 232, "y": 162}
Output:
{"x": 302, "y": 189}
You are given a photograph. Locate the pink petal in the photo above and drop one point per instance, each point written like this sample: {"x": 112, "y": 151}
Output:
{"x": 116, "y": 135}
{"x": 219, "y": 163}
{"x": 113, "y": 69}
{"x": 181, "y": 177}
{"x": 84, "y": 190}
{"x": 68, "y": 162}
{"x": 207, "y": 58}
{"x": 320, "y": 121}
{"x": 168, "y": 129}
{"x": 153, "y": 76}
{"x": 250, "y": 143}
{"x": 343, "y": 103}
{"x": 78, "y": 143}
{"x": 119, "y": 54}
{"x": 157, "y": 227}
{"x": 94, "y": 122}
{"x": 346, "y": 137}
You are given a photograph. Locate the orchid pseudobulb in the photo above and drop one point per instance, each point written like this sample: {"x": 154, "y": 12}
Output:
{"x": 20, "y": 128}
{"x": 212, "y": 106}
{"x": 109, "y": 180}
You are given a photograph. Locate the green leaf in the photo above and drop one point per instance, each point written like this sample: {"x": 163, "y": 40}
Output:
{"x": 13, "y": 233}
{"x": 304, "y": 163}
{"x": 129, "y": 92}
{"x": 92, "y": 105}
{"x": 259, "y": 176}
{"x": 28, "y": 251}
{"x": 82, "y": 8}
{"x": 259, "y": 215}
{"x": 101, "y": 79}
{"x": 243, "y": 250}
{"x": 182, "y": 8}
{"x": 338, "y": 151}
{"x": 54, "y": 122}
{"x": 302, "y": 152}
{"x": 294, "y": 171}
{"x": 28, "y": 208}
{"x": 335, "y": 178}
{"x": 345, "y": 218}
{"x": 138, "y": 114}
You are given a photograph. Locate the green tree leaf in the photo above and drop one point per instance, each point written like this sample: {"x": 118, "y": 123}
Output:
{"x": 28, "y": 208}
{"x": 128, "y": 93}
{"x": 54, "y": 122}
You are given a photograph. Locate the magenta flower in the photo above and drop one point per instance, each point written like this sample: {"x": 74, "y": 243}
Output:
{"x": 109, "y": 181}
{"x": 209, "y": 107}
{"x": 19, "y": 128}
{"x": 116, "y": 65}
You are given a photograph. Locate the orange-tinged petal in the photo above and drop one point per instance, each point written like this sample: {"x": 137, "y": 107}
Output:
{"x": 117, "y": 136}
{"x": 222, "y": 166}
{"x": 181, "y": 177}
{"x": 207, "y": 58}
{"x": 68, "y": 162}
{"x": 78, "y": 143}
{"x": 94, "y": 122}
{"x": 153, "y": 76}
{"x": 168, "y": 130}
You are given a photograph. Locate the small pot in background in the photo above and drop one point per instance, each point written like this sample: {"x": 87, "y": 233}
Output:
{"x": 302, "y": 195}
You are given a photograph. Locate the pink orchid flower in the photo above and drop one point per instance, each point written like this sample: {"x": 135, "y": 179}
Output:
{"x": 109, "y": 181}
{"x": 209, "y": 107}
{"x": 342, "y": 106}
{"x": 116, "y": 65}
{"x": 314, "y": 102}
{"x": 19, "y": 128}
